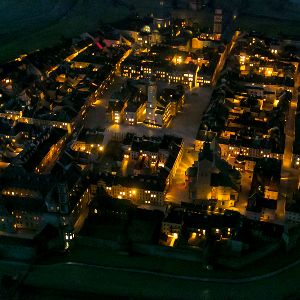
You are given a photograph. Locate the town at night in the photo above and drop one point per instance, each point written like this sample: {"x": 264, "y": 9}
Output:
{"x": 149, "y": 149}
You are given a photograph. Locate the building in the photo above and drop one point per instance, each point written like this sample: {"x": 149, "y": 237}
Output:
{"x": 211, "y": 178}
{"x": 140, "y": 189}
{"x": 174, "y": 71}
{"x": 151, "y": 105}
{"x": 218, "y": 21}
{"x": 155, "y": 162}
{"x": 171, "y": 101}
{"x": 160, "y": 109}
{"x": 29, "y": 201}
{"x": 162, "y": 18}
{"x": 245, "y": 123}
{"x": 264, "y": 192}
{"x": 116, "y": 110}
{"x": 197, "y": 4}
{"x": 134, "y": 113}
{"x": 89, "y": 141}
{"x": 261, "y": 209}
{"x": 173, "y": 222}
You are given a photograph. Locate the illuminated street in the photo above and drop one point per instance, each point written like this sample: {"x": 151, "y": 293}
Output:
{"x": 179, "y": 191}
{"x": 244, "y": 194}
{"x": 290, "y": 176}
{"x": 96, "y": 116}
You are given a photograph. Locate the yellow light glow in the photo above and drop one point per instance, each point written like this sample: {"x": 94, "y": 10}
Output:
{"x": 276, "y": 103}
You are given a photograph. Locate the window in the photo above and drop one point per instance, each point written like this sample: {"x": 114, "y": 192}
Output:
{"x": 232, "y": 197}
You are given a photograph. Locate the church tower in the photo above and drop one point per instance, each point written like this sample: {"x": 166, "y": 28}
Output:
{"x": 218, "y": 21}
{"x": 151, "y": 102}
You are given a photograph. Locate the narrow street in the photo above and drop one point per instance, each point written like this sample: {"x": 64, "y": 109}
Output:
{"x": 224, "y": 57}
{"x": 244, "y": 194}
{"x": 96, "y": 116}
{"x": 179, "y": 191}
{"x": 289, "y": 176}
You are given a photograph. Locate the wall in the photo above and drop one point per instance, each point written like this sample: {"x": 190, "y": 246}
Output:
{"x": 241, "y": 262}
{"x": 17, "y": 252}
{"x": 146, "y": 249}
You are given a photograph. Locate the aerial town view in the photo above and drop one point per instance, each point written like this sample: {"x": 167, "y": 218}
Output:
{"x": 149, "y": 149}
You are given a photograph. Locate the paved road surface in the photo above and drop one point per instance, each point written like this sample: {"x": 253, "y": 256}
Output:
{"x": 289, "y": 176}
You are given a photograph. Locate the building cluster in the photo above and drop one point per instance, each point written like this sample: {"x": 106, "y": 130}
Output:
{"x": 172, "y": 52}
{"x": 296, "y": 144}
{"x": 247, "y": 120}
{"x": 139, "y": 102}
{"x": 216, "y": 236}
{"x": 195, "y": 232}
{"x": 44, "y": 99}
{"x": 57, "y": 95}
{"x": 247, "y": 116}
{"x": 56, "y": 172}
{"x": 172, "y": 65}
{"x": 191, "y": 225}
{"x": 264, "y": 191}
{"x": 148, "y": 167}
{"x": 260, "y": 61}
{"x": 242, "y": 135}
{"x": 89, "y": 141}
{"x": 29, "y": 201}
{"x": 213, "y": 179}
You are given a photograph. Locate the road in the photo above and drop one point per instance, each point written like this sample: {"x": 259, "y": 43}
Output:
{"x": 187, "y": 122}
{"x": 187, "y": 126}
{"x": 179, "y": 191}
{"x": 69, "y": 58}
{"x": 224, "y": 57}
{"x": 289, "y": 176}
{"x": 245, "y": 190}
{"x": 96, "y": 116}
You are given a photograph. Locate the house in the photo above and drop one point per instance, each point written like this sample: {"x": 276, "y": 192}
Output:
{"x": 172, "y": 223}
{"x": 155, "y": 161}
{"x": 134, "y": 113}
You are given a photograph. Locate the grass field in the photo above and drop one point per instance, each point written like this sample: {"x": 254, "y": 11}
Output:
{"x": 270, "y": 8}
{"x": 146, "y": 286}
{"x": 266, "y": 16}
{"x": 74, "y": 281}
{"x": 269, "y": 26}
{"x": 29, "y": 24}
